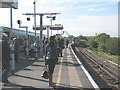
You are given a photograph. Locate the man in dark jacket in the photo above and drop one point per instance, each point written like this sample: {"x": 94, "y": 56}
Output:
{"x": 51, "y": 57}
{"x": 61, "y": 45}
{"x": 5, "y": 60}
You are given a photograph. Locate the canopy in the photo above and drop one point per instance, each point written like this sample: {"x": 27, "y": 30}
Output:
{"x": 9, "y": 4}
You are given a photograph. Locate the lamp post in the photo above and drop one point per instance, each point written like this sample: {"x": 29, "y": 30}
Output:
{"x": 26, "y": 36}
{"x": 11, "y": 44}
{"x": 52, "y": 18}
{"x": 35, "y": 29}
{"x": 41, "y": 15}
{"x": 15, "y": 6}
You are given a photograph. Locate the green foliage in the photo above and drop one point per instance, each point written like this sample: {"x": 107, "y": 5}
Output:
{"x": 91, "y": 43}
{"x": 101, "y": 47}
{"x": 82, "y": 40}
{"x": 70, "y": 37}
{"x": 82, "y": 37}
{"x": 112, "y": 45}
{"x": 103, "y": 43}
{"x": 101, "y": 38}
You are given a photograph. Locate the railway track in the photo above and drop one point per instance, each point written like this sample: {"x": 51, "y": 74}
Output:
{"x": 110, "y": 76}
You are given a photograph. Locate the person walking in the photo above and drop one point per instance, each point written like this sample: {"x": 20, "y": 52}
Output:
{"x": 61, "y": 45}
{"x": 16, "y": 48}
{"x": 67, "y": 42}
{"x": 58, "y": 46}
{"x": 5, "y": 59}
{"x": 25, "y": 45}
{"x": 51, "y": 57}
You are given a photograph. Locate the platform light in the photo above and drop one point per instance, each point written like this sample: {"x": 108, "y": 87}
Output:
{"x": 19, "y": 22}
{"x": 28, "y": 19}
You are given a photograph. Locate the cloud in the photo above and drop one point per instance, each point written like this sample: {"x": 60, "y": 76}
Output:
{"x": 89, "y": 25}
{"x": 73, "y": 1}
{"x": 95, "y": 21}
{"x": 95, "y": 10}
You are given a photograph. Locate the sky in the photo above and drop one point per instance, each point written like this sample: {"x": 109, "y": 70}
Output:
{"x": 78, "y": 17}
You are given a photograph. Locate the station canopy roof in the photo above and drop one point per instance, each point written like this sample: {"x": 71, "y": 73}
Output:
{"x": 9, "y": 4}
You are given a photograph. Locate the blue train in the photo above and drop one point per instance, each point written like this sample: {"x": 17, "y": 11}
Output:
{"x": 75, "y": 42}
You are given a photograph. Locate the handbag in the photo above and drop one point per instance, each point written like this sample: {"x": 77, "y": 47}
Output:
{"x": 45, "y": 73}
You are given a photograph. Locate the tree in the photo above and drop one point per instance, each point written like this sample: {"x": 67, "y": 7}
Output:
{"x": 101, "y": 38}
{"x": 101, "y": 47}
{"x": 111, "y": 45}
{"x": 82, "y": 37}
{"x": 91, "y": 43}
{"x": 70, "y": 37}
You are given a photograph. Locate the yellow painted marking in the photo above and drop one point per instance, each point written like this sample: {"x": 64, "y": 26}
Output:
{"x": 60, "y": 69}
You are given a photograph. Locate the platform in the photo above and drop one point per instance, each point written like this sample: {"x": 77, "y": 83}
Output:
{"x": 68, "y": 74}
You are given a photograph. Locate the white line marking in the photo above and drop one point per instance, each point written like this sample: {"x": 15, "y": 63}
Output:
{"x": 85, "y": 71}
{"x": 113, "y": 63}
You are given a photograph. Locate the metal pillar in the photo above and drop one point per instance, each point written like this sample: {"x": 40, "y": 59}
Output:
{"x": 51, "y": 26}
{"x": 48, "y": 28}
{"x": 41, "y": 42}
{"x": 35, "y": 30}
{"x": 26, "y": 36}
{"x": 12, "y": 63}
{"x": 41, "y": 27}
{"x": 27, "y": 49}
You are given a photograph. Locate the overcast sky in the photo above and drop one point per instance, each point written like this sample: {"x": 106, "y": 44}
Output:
{"x": 79, "y": 17}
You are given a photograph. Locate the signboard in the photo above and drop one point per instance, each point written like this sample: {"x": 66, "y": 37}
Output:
{"x": 9, "y": 4}
{"x": 56, "y": 28}
{"x": 38, "y": 28}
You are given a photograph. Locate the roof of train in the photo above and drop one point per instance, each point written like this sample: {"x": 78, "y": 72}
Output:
{"x": 18, "y": 32}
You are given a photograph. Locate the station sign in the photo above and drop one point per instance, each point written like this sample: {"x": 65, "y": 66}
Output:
{"x": 56, "y": 28}
{"x": 38, "y": 28}
{"x": 9, "y": 4}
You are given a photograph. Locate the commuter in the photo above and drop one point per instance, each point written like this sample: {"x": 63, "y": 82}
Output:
{"x": 58, "y": 46}
{"x": 46, "y": 41}
{"x": 5, "y": 60}
{"x": 25, "y": 45}
{"x": 16, "y": 48}
{"x": 61, "y": 45}
{"x": 67, "y": 42}
{"x": 38, "y": 46}
{"x": 51, "y": 57}
{"x": 43, "y": 45}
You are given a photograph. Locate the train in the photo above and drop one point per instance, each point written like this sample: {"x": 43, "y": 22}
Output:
{"x": 20, "y": 34}
{"x": 75, "y": 42}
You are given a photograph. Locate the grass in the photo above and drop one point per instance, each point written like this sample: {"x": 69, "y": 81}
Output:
{"x": 113, "y": 58}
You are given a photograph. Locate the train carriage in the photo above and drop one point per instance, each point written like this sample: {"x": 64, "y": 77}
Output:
{"x": 75, "y": 42}
{"x": 20, "y": 34}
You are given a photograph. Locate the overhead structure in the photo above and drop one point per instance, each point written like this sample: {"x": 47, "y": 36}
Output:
{"x": 41, "y": 26}
{"x": 40, "y": 14}
{"x": 9, "y": 4}
{"x": 38, "y": 28}
{"x": 56, "y": 27}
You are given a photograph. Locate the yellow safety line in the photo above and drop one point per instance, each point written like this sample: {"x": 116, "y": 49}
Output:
{"x": 59, "y": 75}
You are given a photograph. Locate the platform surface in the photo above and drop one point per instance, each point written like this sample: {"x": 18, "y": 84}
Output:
{"x": 67, "y": 74}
